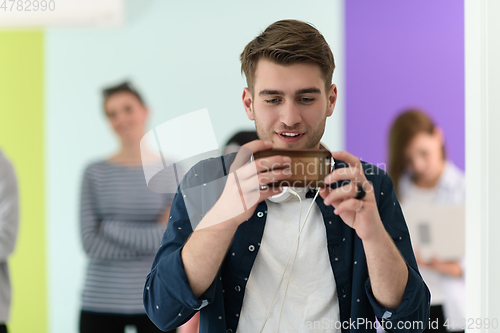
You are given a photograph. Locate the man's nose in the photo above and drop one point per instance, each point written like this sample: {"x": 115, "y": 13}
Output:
{"x": 290, "y": 115}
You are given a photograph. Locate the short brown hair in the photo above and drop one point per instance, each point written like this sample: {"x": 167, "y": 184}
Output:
{"x": 288, "y": 42}
{"x": 407, "y": 125}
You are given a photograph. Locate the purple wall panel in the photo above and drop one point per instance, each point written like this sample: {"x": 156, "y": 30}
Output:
{"x": 401, "y": 54}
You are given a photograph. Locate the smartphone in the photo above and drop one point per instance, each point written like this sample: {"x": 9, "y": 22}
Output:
{"x": 309, "y": 166}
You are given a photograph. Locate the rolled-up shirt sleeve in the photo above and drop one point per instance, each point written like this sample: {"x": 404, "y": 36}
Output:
{"x": 168, "y": 297}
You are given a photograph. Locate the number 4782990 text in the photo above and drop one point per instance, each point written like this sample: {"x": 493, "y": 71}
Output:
{"x": 27, "y": 5}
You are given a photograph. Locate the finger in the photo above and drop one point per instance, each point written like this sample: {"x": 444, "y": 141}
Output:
{"x": 345, "y": 191}
{"x": 344, "y": 156}
{"x": 342, "y": 193}
{"x": 246, "y": 151}
{"x": 269, "y": 192}
{"x": 263, "y": 165}
{"x": 264, "y": 178}
{"x": 348, "y": 206}
{"x": 323, "y": 192}
{"x": 253, "y": 196}
{"x": 354, "y": 174}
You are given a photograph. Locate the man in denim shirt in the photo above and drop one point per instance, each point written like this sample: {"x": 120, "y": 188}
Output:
{"x": 353, "y": 260}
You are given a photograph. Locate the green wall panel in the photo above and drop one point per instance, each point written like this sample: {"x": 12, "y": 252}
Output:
{"x": 22, "y": 140}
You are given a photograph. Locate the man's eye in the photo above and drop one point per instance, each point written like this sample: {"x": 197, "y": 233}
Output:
{"x": 272, "y": 101}
{"x": 307, "y": 100}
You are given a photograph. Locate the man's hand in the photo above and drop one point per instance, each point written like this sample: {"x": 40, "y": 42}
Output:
{"x": 386, "y": 267}
{"x": 243, "y": 190}
{"x": 360, "y": 214}
{"x": 241, "y": 195}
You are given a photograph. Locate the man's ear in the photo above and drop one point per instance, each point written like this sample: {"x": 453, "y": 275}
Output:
{"x": 247, "y": 103}
{"x": 332, "y": 99}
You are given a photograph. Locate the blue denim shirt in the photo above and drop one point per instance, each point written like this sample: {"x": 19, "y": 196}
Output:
{"x": 170, "y": 302}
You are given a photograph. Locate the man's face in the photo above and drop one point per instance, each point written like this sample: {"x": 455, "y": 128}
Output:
{"x": 289, "y": 104}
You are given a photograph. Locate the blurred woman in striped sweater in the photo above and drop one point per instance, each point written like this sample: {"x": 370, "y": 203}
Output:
{"x": 122, "y": 223}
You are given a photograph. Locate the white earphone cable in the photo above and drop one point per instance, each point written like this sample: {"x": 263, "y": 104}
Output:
{"x": 296, "y": 246}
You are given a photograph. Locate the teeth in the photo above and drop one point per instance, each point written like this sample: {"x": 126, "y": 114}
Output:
{"x": 290, "y": 134}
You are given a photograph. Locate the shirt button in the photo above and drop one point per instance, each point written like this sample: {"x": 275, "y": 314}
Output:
{"x": 229, "y": 330}
{"x": 251, "y": 248}
{"x": 260, "y": 214}
{"x": 237, "y": 288}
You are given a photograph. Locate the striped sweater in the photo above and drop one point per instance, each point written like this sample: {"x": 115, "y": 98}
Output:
{"x": 120, "y": 235}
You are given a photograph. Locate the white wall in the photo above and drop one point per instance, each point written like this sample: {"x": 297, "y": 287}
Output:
{"x": 482, "y": 77}
{"x": 183, "y": 56}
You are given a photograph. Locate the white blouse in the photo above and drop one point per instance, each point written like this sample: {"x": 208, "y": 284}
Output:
{"x": 450, "y": 189}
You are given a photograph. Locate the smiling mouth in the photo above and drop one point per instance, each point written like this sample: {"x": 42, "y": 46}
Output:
{"x": 290, "y": 134}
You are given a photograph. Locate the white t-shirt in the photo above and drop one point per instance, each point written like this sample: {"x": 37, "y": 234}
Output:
{"x": 311, "y": 298}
